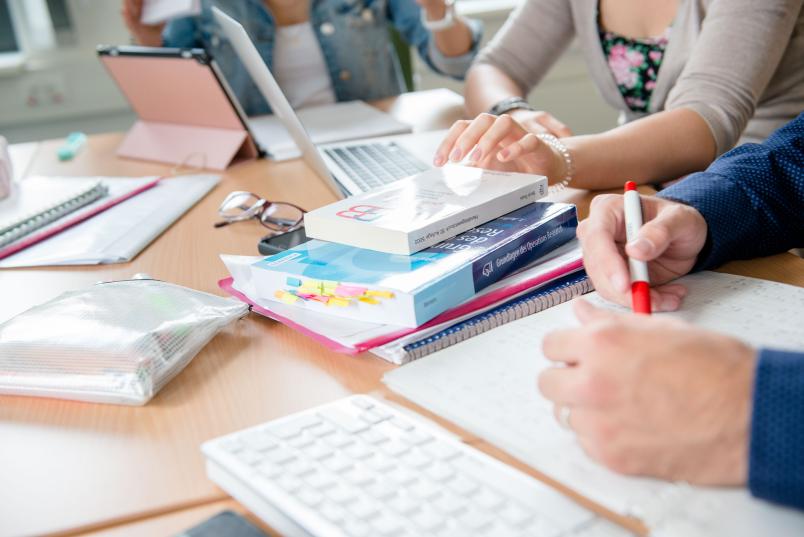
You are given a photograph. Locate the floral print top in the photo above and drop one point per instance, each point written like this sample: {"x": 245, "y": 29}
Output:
{"x": 635, "y": 65}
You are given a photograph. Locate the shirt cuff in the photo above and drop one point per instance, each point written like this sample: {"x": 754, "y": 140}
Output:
{"x": 718, "y": 199}
{"x": 456, "y": 66}
{"x": 776, "y": 461}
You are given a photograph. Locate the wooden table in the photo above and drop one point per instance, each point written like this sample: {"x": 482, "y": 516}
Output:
{"x": 69, "y": 468}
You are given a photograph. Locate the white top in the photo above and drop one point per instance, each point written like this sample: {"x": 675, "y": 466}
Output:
{"x": 299, "y": 66}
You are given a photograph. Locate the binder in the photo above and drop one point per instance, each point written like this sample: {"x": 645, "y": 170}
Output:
{"x": 419, "y": 345}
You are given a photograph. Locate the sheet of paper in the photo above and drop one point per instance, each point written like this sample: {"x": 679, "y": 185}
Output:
{"x": 325, "y": 124}
{"x": 159, "y": 11}
{"x": 120, "y": 233}
{"x": 487, "y": 386}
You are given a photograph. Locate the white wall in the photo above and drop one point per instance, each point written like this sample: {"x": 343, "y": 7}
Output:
{"x": 67, "y": 89}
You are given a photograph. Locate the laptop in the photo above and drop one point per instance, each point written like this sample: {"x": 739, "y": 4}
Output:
{"x": 347, "y": 168}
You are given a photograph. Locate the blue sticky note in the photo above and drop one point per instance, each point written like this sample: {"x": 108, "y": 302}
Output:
{"x": 293, "y": 282}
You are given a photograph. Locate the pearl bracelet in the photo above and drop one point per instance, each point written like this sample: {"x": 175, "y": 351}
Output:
{"x": 564, "y": 151}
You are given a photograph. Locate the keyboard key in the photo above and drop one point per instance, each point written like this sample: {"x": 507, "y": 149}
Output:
{"x": 381, "y": 490}
{"x": 339, "y": 440}
{"x": 442, "y": 451}
{"x": 489, "y": 499}
{"x": 362, "y": 402}
{"x": 402, "y": 476}
{"x": 358, "y": 451}
{"x": 232, "y": 445}
{"x": 395, "y": 448}
{"x": 380, "y": 463}
{"x": 439, "y": 472}
{"x": 417, "y": 438}
{"x": 463, "y": 486}
{"x": 426, "y": 490}
{"x": 341, "y": 494}
{"x": 280, "y": 456}
{"x": 357, "y": 528}
{"x": 364, "y": 509}
{"x": 269, "y": 469}
{"x": 373, "y": 437}
{"x": 417, "y": 459}
{"x": 300, "y": 468}
{"x": 337, "y": 463}
{"x": 333, "y": 512}
{"x": 429, "y": 520}
{"x": 302, "y": 441}
{"x": 387, "y": 525}
{"x": 319, "y": 480}
{"x": 475, "y": 519}
{"x": 514, "y": 514}
{"x": 249, "y": 457}
{"x": 322, "y": 429}
{"x": 402, "y": 423}
{"x": 289, "y": 483}
{"x": 404, "y": 505}
{"x": 449, "y": 503}
{"x": 310, "y": 497}
{"x": 372, "y": 417}
{"x": 348, "y": 423}
{"x": 358, "y": 477}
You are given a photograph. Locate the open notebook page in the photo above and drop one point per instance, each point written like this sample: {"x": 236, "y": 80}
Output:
{"x": 487, "y": 385}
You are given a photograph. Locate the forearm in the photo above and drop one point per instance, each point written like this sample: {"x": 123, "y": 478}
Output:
{"x": 776, "y": 466}
{"x": 486, "y": 85}
{"x": 453, "y": 41}
{"x": 661, "y": 147}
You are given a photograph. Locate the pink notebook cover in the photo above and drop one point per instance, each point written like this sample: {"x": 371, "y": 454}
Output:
{"x": 473, "y": 305}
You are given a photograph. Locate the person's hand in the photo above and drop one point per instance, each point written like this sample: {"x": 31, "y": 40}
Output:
{"x": 538, "y": 121}
{"x": 499, "y": 143}
{"x": 670, "y": 240}
{"x": 653, "y": 396}
{"x": 144, "y": 34}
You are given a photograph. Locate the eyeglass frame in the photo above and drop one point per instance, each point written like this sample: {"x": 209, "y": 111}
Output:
{"x": 256, "y": 211}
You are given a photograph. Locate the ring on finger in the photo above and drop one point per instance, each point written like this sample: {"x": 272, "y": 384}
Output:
{"x": 564, "y": 416}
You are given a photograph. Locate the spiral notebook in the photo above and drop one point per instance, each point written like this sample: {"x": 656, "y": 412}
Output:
{"x": 39, "y": 201}
{"x": 420, "y": 344}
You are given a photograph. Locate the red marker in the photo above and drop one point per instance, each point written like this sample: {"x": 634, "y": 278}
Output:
{"x": 640, "y": 284}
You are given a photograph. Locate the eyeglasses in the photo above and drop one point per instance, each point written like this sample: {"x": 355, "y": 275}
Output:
{"x": 277, "y": 216}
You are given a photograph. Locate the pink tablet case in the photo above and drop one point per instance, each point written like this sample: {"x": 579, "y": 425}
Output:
{"x": 184, "y": 114}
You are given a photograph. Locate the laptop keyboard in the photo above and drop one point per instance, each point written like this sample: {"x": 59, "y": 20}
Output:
{"x": 376, "y": 164}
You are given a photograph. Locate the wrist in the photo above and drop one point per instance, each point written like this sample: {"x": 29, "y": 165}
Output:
{"x": 562, "y": 166}
{"x": 437, "y": 16}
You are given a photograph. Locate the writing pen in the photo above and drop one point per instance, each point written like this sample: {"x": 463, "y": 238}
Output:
{"x": 640, "y": 283}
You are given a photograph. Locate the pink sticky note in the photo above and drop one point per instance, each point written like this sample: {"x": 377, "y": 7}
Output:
{"x": 348, "y": 290}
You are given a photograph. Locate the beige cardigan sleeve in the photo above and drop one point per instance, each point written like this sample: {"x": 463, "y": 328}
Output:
{"x": 530, "y": 41}
{"x": 737, "y": 52}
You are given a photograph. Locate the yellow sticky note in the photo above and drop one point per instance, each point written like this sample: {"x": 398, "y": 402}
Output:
{"x": 339, "y": 302}
{"x": 368, "y": 300}
{"x": 381, "y": 294}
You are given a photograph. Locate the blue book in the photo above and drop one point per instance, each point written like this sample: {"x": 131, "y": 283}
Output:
{"x": 378, "y": 287}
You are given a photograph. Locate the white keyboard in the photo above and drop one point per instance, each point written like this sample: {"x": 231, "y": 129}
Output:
{"x": 359, "y": 467}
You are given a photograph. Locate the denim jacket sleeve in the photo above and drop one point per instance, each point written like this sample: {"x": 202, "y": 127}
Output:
{"x": 181, "y": 33}
{"x": 405, "y": 15}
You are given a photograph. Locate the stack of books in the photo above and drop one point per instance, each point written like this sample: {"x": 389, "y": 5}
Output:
{"x": 420, "y": 264}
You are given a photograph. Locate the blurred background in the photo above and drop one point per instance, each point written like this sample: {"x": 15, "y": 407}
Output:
{"x": 51, "y": 82}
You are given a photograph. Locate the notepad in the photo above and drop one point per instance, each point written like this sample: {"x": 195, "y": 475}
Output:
{"x": 487, "y": 385}
{"x": 39, "y": 201}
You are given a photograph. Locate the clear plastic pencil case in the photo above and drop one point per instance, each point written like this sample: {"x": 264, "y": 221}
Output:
{"x": 116, "y": 342}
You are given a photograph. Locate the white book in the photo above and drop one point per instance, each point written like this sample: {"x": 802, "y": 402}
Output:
{"x": 487, "y": 385}
{"x": 159, "y": 11}
{"x": 420, "y": 211}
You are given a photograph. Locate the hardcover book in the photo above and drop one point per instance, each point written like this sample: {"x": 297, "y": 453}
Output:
{"x": 420, "y": 211}
{"x": 410, "y": 290}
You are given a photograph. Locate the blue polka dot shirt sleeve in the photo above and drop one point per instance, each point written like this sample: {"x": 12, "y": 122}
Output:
{"x": 752, "y": 199}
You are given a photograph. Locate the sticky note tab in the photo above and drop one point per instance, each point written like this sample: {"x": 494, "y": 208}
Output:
{"x": 287, "y": 298}
{"x": 381, "y": 294}
{"x": 321, "y": 298}
{"x": 349, "y": 290}
{"x": 339, "y": 302}
{"x": 293, "y": 282}
{"x": 369, "y": 300}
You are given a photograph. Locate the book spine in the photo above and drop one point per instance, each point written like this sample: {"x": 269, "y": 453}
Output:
{"x": 524, "y": 248}
{"x": 475, "y": 216}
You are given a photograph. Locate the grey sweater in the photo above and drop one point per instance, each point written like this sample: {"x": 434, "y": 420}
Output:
{"x": 737, "y": 63}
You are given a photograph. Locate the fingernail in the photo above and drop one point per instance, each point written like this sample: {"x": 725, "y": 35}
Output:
{"x": 503, "y": 154}
{"x": 455, "y": 156}
{"x": 475, "y": 155}
{"x": 642, "y": 247}
{"x": 438, "y": 160}
{"x": 620, "y": 282}
{"x": 669, "y": 303}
